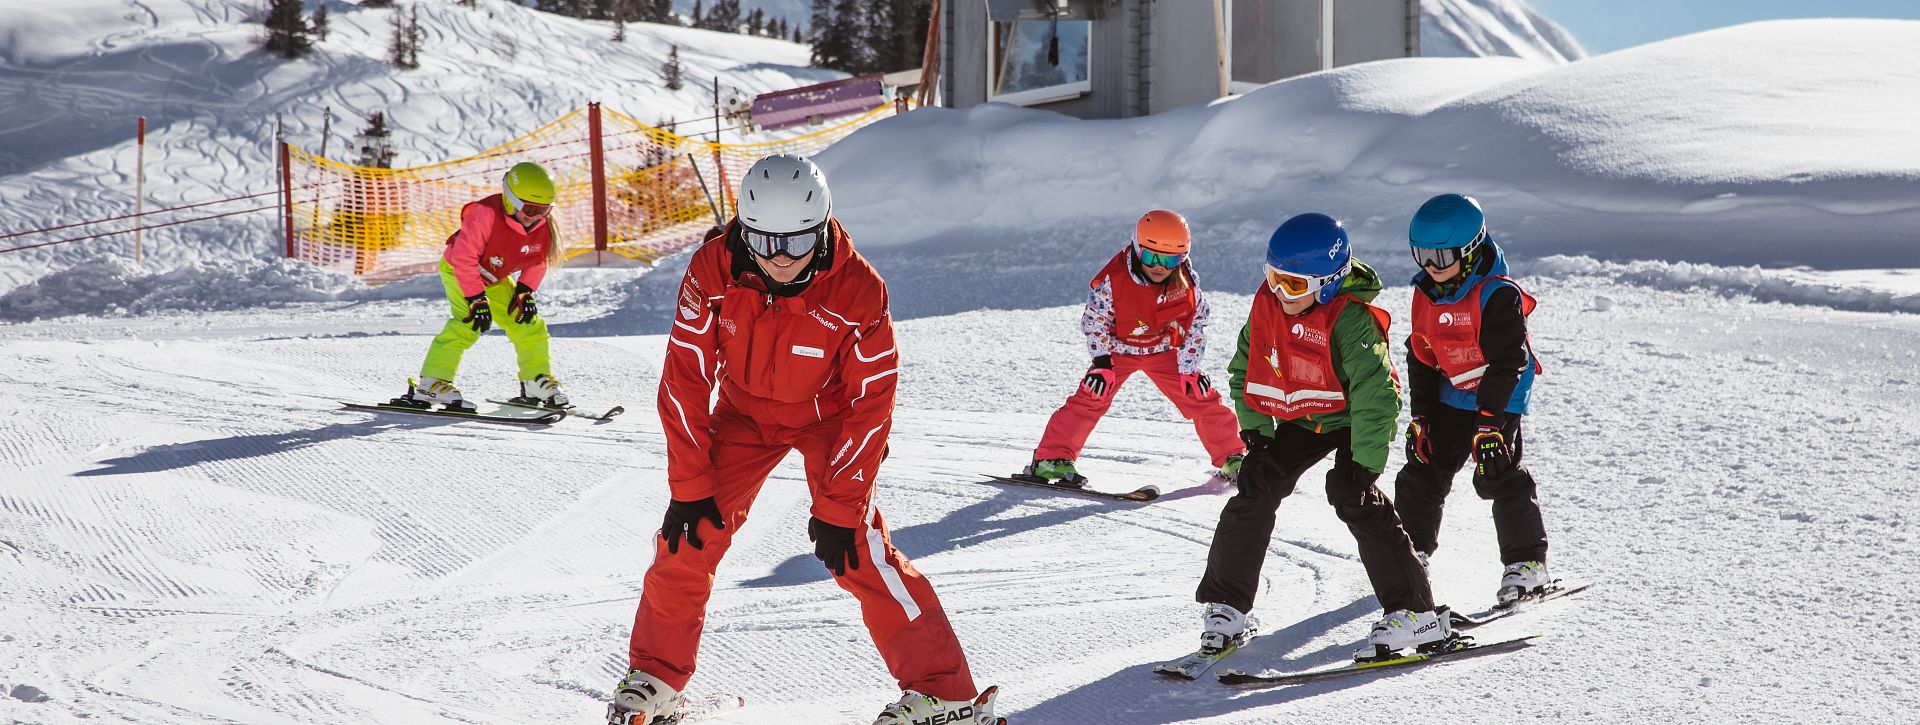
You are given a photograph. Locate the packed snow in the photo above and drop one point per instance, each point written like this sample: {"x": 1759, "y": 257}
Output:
{"x": 1488, "y": 28}
{"x": 1717, "y": 226}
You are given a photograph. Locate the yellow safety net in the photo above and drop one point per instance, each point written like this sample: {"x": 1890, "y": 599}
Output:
{"x": 663, "y": 191}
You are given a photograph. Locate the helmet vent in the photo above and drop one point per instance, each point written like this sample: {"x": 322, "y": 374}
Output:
{"x": 796, "y": 174}
{"x": 809, "y": 196}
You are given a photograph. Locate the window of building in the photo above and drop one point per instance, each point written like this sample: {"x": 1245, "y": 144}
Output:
{"x": 1038, "y": 61}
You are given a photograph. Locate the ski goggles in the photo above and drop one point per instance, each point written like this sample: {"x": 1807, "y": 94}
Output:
{"x": 535, "y": 211}
{"x": 1295, "y": 286}
{"x": 1443, "y": 258}
{"x": 793, "y": 244}
{"x": 1150, "y": 258}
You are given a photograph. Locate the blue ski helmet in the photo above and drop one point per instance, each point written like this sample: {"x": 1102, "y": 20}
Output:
{"x": 1448, "y": 221}
{"x": 1313, "y": 246}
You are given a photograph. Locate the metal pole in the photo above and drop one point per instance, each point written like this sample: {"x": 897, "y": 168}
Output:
{"x": 719, "y": 167}
{"x": 139, "y": 189}
{"x": 1326, "y": 34}
{"x": 717, "y": 221}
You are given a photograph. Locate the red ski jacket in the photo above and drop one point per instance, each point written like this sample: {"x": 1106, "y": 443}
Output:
{"x": 825, "y": 355}
{"x": 490, "y": 246}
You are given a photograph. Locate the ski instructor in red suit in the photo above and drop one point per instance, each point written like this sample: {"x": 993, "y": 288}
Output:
{"x": 789, "y": 324}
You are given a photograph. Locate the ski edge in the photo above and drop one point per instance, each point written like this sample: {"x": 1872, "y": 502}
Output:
{"x": 1465, "y": 621}
{"x": 1181, "y": 675}
{"x": 553, "y": 417}
{"x": 1139, "y": 495}
{"x": 571, "y": 412}
{"x": 1234, "y": 676}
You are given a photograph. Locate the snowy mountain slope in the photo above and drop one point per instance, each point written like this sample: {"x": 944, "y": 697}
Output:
{"x": 1488, "y": 28}
{"x": 75, "y": 77}
{"x": 191, "y": 534}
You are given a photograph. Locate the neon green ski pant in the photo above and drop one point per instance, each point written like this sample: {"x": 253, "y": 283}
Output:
{"x": 529, "y": 340}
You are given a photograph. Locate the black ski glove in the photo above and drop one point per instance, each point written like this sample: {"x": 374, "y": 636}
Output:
{"x": 1099, "y": 380}
{"x": 833, "y": 546}
{"x": 478, "y": 313}
{"x": 1492, "y": 452}
{"x": 522, "y": 306}
{"x": 1254, "y": 440}
{"x": 1419, "y": 444}
{"x": 683, "y": 519}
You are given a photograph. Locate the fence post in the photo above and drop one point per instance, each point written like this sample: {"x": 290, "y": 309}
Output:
{"x": 286, "y": 193}
{"x": 597, "y": 164}
{"x": 139, "y": 189}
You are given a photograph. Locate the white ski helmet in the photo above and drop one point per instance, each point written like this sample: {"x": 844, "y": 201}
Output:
{"x": 784, "y": 194}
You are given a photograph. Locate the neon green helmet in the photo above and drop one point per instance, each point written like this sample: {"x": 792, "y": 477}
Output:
{"x": 526, "y": 181}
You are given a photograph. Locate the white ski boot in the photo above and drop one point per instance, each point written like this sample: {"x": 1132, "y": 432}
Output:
{"x": 543, "y": 391}
{"x": 430, "y": 391}
{"x": 642, "y": 699}
{"x": 1222, "y": 627}
{"x": 917, "y": 709}
{"x": 1401, "y": 629}
{"x": 1521, "y": 580}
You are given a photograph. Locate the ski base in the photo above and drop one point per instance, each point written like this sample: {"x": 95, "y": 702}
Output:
{"x": 1270, "y": 678}
{"x": 571, "y": 410}
{"x": 1144, "y": 493}
{"x": 545, "y": 418}
{"x": 691, "y": 710}
{"x": 1192, "y": 666}
{"x": 1553, "y": 590}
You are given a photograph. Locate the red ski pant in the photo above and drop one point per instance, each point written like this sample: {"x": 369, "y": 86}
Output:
{"x": 898, "y": 604}
{"x": 1067, "y": 431}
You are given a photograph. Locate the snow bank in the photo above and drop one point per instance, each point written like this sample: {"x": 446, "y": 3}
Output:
{"x": 112, "y": 285}
{"x": 1789, "y": 286}
{"x": 1780, "y": 143}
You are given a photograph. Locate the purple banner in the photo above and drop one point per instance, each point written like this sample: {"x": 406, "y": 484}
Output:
{"x": 795, "y": 106}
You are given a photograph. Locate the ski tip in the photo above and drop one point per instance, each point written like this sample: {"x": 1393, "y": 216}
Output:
{"x": 1146, "y": 493}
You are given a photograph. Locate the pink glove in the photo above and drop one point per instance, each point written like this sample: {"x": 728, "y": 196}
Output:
{"x": 1196, "y": 385}
{"x": 1098, "y": 383}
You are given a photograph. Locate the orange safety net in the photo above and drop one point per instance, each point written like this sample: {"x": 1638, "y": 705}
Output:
{"x": 386, "y": 224}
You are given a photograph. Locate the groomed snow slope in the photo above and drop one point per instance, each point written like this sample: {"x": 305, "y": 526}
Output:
{"x": 193, "y": 534}
{"x": 1488, "y": 28}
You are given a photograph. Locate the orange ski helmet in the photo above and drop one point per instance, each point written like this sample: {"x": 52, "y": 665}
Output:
{"x": 1162, "y": 231}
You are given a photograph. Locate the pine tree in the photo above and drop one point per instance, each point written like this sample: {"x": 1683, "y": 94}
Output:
{"x": 798, "y": 36}
{"x": 398, "y": 47}
{"x": 697, "y": 13}
{"x": 376, "y": 3}
{"x": 725, "y": 16}
{"x": 413, "y": 36}
{"x": 671, "y": 72}
{"x": 619, "y": 21}
{"x": 376, "y": 142}
{"x": 320, "y": 22}
{"x": 288, "y": 34}
{"x": 756, "y": 22}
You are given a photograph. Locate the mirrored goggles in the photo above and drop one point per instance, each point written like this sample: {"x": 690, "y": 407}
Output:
{"x": 1295, "y": 286}
{"x": 1150, "y": 258}
{"x": 1443, "y": 258}
{"x": 793, "y": 244}
{"x": 1438, "y": 258}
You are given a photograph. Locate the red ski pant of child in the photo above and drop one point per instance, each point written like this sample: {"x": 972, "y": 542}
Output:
{"x": 896, "y": 601}
{"x": 1067, "y": 431}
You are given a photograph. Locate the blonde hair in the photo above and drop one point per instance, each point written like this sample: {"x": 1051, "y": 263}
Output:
{"x": 555, "y": 254}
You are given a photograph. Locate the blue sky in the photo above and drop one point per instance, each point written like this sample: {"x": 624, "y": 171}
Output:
{"x": 1604, "y": 26}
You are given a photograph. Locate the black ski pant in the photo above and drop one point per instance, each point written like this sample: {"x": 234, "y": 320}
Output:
{"x": 1266, "y": 477}
{"x": 1422, "y": 488}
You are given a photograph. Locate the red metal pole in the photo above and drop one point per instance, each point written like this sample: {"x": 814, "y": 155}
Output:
{"x": 597, "y": 163}
{"x": 286, "y": 192}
